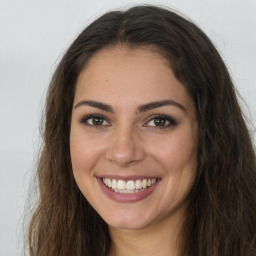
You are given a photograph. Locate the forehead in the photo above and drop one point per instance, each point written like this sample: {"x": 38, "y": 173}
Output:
{"x": 120, "y": 59}
{"x": 134, "y": 76}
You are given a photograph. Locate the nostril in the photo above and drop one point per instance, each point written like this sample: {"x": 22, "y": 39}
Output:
{"x": 125, "y": 153}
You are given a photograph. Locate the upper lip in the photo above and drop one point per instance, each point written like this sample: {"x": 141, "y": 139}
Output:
{"x": 126, "y": 178}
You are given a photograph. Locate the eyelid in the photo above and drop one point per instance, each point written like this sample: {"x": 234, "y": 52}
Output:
{"x": 84, "y": 120}
{"x": 171, "y": 120}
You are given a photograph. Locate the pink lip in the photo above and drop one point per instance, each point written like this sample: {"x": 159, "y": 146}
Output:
{"x": 126, "y": 178}
{"x": 127, "y": 198}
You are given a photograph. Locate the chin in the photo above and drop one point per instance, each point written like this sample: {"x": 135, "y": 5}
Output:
{"x": 129, "y": 220}
{"x": 127, "y": 225}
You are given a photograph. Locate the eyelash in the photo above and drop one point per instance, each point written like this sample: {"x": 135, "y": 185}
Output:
{"x": 171, "y": 121}
{"x": 85, "y": 120}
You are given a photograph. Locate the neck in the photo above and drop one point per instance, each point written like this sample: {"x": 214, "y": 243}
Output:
{"x": 156, "y": 239}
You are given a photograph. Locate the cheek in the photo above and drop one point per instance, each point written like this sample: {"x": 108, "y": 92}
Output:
{"x": 85, "y": 151}
{"x": 177, "y": 151}
{"x": 79, "y": 151}
{"x": 179, "y": 161}
{"x": 82, "y": 159}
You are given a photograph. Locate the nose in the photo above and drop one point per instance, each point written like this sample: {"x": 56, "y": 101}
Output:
{"x": 126, "y": 148}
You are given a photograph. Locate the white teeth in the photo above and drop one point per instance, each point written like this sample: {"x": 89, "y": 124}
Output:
{"x": 126, "y": 191}
{"x": 114, "y": 183}
{"x": 130, "y": 186}
{"x": 144, "y": 183}
{"x": 138, "y": 184}
{"x": 121, "y": 184}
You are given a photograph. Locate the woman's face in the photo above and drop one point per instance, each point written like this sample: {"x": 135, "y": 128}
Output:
{"x": 133, "y": 138}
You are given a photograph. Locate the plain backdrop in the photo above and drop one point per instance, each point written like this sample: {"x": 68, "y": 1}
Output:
{"x": 33, "y": 37}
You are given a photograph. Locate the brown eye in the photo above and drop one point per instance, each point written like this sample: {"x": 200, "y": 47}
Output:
{"x": 159, "y": 122}
{"x": 97, "y": 121}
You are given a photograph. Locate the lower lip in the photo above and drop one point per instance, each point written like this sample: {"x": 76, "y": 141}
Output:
{"x": 126, "y": 198}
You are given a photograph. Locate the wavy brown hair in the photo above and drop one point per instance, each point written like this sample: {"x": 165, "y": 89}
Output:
{"x": 222, "y": 204}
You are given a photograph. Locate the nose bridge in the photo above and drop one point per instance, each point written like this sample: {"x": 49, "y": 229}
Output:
{"x": 125, "y": 146}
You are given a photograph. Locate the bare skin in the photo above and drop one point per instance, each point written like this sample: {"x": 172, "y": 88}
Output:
{"x": 148, "y": 241}
{"x": 133, "y": 120}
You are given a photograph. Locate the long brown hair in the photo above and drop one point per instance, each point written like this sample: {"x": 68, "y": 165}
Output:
{"x": 222, "y": 204}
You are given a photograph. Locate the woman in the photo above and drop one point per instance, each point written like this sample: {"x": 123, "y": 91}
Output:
{"x": 145, "y": 147}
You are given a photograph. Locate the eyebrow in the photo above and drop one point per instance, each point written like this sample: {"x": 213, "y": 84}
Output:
{"x": 95, "y": 104}
{"x": 142, "y": 108}
{"x": 158, "y": 104}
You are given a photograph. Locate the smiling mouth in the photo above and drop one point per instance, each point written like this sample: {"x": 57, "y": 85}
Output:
{"x": 129, "y": 186}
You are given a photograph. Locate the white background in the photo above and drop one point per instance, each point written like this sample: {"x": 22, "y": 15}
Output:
{"x": 33, "y": 36}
